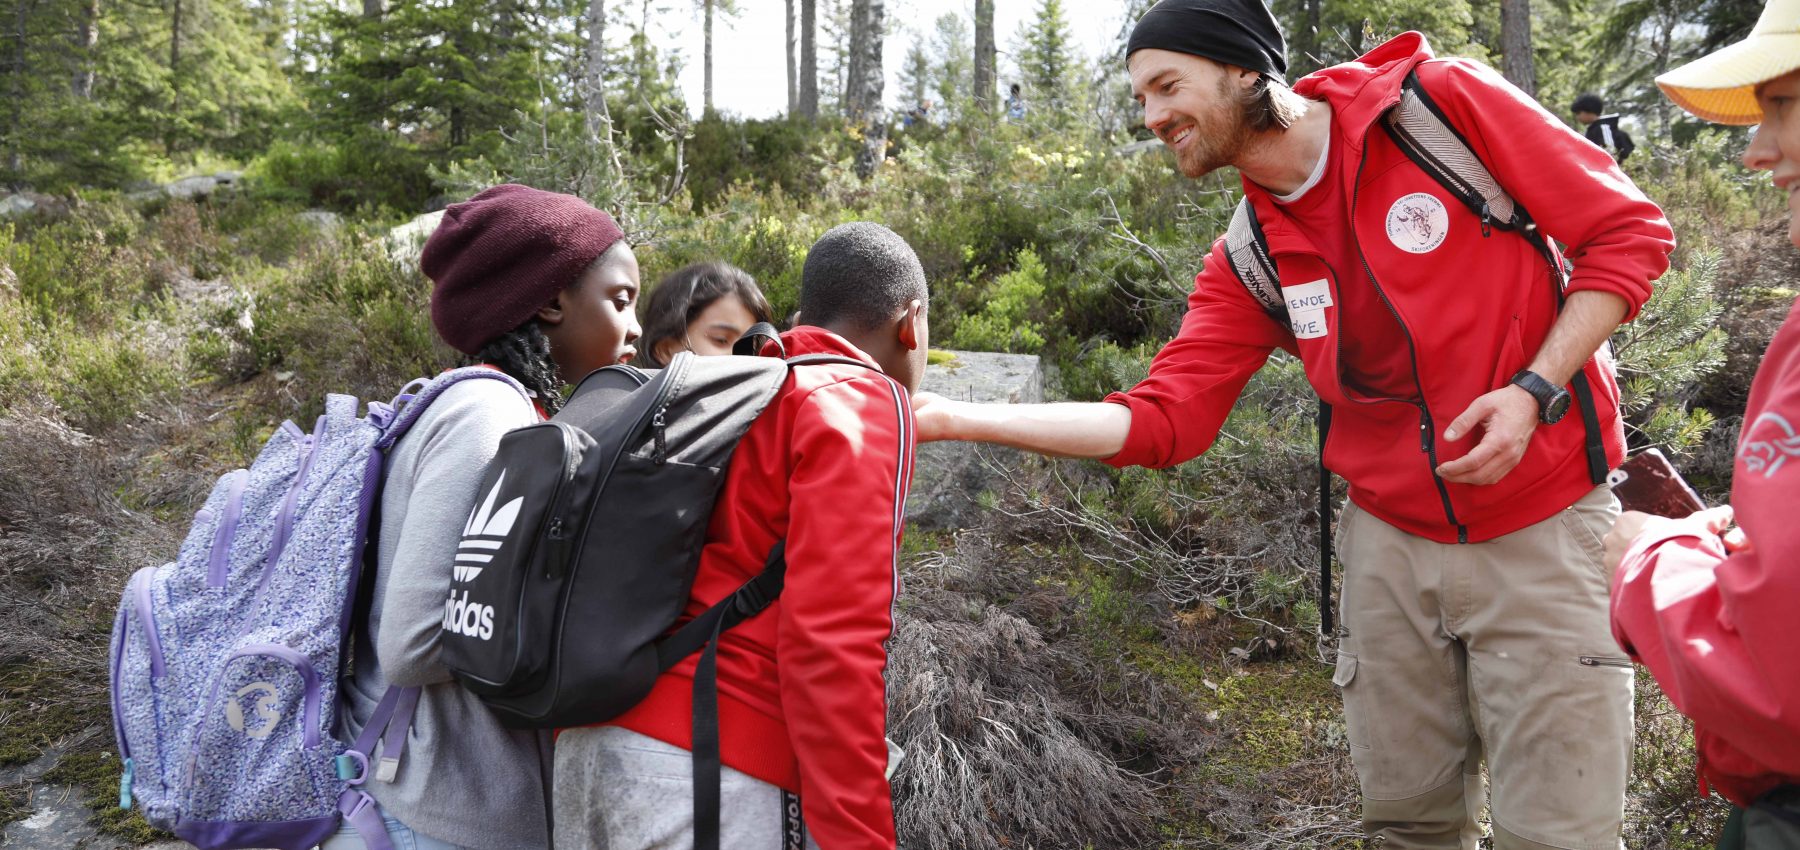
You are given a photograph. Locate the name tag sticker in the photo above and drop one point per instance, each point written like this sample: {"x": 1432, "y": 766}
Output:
{"x": 1307, "y": 296}
{"x": 1307, "y": 325}
{"x": 1306, "y": 305}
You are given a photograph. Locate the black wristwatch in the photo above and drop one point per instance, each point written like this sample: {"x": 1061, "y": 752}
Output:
{"x": 1553, "y": 401}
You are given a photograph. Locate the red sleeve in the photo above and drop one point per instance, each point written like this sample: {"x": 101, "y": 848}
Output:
{"x": 1225, "y": 337}
{"x": 852, "y": 447}
{"x": 1618, "y": 239}
{"x": 1718, "y": 632}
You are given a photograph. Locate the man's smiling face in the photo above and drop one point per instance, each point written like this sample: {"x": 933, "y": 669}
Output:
{"x": 1190, "y": 102}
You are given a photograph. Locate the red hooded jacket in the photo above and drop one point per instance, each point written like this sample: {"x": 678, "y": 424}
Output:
{"x": 1472, "y": 308}
{"x": 1718, "y": 630}
{"x": 802, "y": 698}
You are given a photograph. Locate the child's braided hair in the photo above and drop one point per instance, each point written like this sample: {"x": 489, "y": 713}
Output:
{"x": 524, "y": 353}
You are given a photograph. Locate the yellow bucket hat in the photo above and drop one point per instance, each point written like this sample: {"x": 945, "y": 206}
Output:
{"x": 1720, "y": 86}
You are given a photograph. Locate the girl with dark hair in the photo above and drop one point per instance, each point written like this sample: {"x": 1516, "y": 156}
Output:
{"x": 703, "y": 308}
{"x": 542, "y": 287}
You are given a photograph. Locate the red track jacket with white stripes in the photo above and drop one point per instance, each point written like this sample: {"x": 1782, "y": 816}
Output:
{"x": 802, "y": 695}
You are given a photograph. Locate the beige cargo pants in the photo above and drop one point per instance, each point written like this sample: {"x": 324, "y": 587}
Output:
{"x": 1447, "y": 651}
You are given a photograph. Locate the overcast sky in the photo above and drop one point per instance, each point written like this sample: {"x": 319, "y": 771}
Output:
{"x": 749, "y": 64}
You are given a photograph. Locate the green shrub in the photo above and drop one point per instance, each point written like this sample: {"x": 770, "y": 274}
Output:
{"x": 1012, "y": 318}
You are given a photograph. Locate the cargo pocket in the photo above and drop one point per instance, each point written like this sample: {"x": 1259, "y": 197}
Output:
{"x": 1584, "y": 526}
{"x": 1356, "y": 723}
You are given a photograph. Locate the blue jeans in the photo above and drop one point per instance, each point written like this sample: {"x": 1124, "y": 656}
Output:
{"x": 403, "y": 836}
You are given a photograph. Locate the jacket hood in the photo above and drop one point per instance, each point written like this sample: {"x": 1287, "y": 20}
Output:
{"x": 1360, "y": 90}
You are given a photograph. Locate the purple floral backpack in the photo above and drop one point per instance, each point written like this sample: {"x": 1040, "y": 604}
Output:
{"x": 225, "y": 663}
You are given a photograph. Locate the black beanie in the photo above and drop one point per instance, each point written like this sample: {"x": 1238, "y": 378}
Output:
{"x": 1235, "y": 32}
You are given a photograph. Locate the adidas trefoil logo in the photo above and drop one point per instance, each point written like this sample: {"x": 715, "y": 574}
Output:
{"x": 485, "y": 532}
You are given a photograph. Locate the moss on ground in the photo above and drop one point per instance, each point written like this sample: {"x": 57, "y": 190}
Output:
{"x": 15, "y": 802}
{"x": 97, "y": 775}
{"x": 27, "y": 697}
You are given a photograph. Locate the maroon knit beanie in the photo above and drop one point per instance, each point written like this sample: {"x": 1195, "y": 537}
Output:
{"x": 499, "y": 256}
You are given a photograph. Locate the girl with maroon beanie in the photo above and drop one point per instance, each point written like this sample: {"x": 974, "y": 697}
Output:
{"x": 540, "y": 286}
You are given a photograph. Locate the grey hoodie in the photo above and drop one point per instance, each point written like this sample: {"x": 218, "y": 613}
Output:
{"x": 463, "y": 778}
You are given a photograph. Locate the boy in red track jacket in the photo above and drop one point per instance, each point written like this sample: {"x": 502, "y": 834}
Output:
{"x": 1714, "y": 618}
{"x": 1473, "y": 618}
{"x": 802, "y": 699}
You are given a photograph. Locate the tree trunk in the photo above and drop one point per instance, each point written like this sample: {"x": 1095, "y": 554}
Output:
{"x": 853, "y": 79}
{"x": 809, "y": 58}
{"x": 793, "y": 82}
{"x": 593, "y": 74}
{"x": 874, "y": 117}
{"x": 707, "y": 108}
{"x": 1515, "y": 45}
{"x": 87, "y": 37}
{"x": 372, "y": 8}
{"x": 15, "y": 159}
{"x": 174, "y": 78}
{"x": 985, "y": 56}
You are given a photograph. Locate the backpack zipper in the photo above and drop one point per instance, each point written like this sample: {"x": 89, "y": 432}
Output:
{"x": 219, "y": 559}
{"x": 556, "y": 562}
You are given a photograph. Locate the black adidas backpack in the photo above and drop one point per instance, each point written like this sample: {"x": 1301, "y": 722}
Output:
{"x": 579, "y": 557}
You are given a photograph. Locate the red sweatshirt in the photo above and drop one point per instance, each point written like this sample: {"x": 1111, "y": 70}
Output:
{"x": 1469, "y": 309}
{"x": 802, "y": 699}
{"x": 1720, "y": 631}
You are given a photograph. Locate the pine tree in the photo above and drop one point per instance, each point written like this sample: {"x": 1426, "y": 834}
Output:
{"x": 1045, "y": 58}
{"x": 952, "y": 64}
{"x": 915, "y": 76}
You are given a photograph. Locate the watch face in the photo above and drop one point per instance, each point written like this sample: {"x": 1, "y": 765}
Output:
{"x": 1559, "y": 405}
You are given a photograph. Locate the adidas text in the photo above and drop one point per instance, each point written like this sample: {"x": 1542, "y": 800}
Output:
{"x": 462, "y": 617}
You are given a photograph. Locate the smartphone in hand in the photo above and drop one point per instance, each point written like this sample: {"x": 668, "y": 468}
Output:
{"x": 1648, "y": 482}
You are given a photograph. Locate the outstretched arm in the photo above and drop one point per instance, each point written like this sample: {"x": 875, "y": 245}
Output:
{"x": 1067, "y": 429}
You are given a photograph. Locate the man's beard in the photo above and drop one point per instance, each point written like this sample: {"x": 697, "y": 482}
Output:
{"x": 1217, "y": 142}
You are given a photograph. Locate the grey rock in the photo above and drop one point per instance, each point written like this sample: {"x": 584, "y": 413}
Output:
{"x": 325, "y": 221}
{"x": 27, "y": 203}
{"x": 406, "y": 242}
{"x": 12, "y": 205}
{"x": 948, "y": 478}
{"x": 192, "y": 187}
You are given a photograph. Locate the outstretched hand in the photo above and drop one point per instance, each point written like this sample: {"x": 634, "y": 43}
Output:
{"x": 1507, "y": 417}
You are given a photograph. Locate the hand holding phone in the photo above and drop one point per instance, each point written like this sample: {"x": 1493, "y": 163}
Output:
{"x": 1648, "y": 482}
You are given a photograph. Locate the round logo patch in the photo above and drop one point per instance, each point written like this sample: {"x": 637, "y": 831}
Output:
{"x": 1418, "y": 223}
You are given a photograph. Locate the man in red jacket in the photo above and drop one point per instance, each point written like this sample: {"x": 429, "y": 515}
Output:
{"x": 1713, "y": 617}
{"x": 802, "y": 699}
{"x": 1474, "y": 602}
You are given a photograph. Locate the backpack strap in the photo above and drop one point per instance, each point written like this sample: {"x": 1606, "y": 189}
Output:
{"x": 747, "y": 345}
{"x": 750, "y": 599}
{"x": 411, "y": 402}
{"x": 1248, "y": 251}
{"x": 1326, "y": 623}
{"x": 388, "y": 725}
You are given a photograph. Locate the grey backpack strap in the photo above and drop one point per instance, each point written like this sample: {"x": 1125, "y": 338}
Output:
{"x": 1425, "y": 135}
{"x": 1248, "y": 252}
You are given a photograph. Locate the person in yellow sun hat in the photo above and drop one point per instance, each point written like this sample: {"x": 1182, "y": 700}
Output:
{"x": 1715, "y": 613}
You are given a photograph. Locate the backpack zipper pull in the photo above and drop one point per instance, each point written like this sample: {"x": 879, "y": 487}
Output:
{"x": 559, "y": 545}
{"x": 662, "y": 444}
{"x": 1486, "y": 217}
